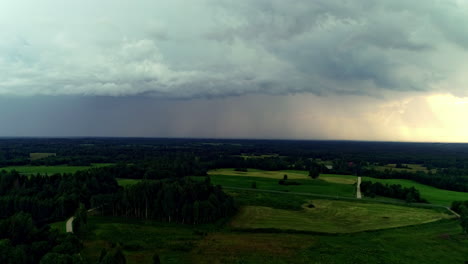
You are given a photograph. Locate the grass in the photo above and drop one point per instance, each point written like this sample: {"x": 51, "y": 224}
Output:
{"x": 292, "y": 175}
{"x": 432, "y": 194}
{"x": 30, "y": 170}
{"x": 340, "y": 179}
{"x": 335, "y": 217}
{"x": 60, "y": 226}
{"x": 438, "y": 242}
{"x": 333, "y": 185}
{"x": 274, "y": 200}
{"x": 307, "y": 185}
{"x": 127, "y": 182}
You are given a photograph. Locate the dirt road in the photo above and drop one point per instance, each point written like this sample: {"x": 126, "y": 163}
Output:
{"x": 358, "y": 188}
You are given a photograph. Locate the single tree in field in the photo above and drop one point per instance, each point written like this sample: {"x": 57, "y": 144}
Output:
{"x": 285, "y": 177}
{"x": 314, "y": 173}
{"x": 464, "y": 219}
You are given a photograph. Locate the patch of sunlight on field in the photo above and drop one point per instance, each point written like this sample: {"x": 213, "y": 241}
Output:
{"x": 341, "y": 179}
{"x": 335, "y": 217}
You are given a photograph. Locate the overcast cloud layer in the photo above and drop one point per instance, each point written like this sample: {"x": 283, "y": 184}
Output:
{"x": 210, "y": 48}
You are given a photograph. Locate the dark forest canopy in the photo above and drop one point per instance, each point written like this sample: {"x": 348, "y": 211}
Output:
{"x": 183, "y": 201}
{"x": 79, "y": 151}
{"x": 54, "y": 197}
{"x": 410, "y": 195}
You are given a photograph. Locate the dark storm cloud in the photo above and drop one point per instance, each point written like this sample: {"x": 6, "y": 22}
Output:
{"x": 204, "y": 48}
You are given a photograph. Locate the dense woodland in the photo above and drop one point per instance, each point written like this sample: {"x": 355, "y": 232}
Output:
{"x": 49, "y": 198}
{"x": 183, "y": 201}
{"x": 82, "y": 151}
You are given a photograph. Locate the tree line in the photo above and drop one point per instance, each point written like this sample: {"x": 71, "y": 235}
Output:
{"x": 172, "y": 200}
{"x": 410, "y": 195}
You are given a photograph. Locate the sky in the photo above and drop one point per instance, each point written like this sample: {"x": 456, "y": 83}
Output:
{"x": 274, "y": 69}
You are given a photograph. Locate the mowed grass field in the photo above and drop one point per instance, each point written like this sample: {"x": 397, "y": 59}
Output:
{"x": 432, "y": 194}
{"x": 335, "y": 217}
{"x": 268, "y": 180}
{"x": 29, "y": 170}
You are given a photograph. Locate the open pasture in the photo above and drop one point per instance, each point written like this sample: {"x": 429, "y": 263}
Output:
{"x": 335, "y": 217}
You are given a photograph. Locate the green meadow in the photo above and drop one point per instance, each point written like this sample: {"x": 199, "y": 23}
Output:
{"x": 335, "y": 217}
{"x": 440, "y": 241}
{"x": 268, "y": 180}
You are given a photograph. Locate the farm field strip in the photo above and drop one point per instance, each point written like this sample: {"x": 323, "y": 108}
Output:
{"x": 293, "y": 175}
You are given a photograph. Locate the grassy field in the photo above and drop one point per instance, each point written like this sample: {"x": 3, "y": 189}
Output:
{"x": 335, "y": 217}
{"x": 127, "y": 182}
{"x": 432, "y": 194}
{"x": 268, "y": 180}
{"x": 292, "y": 175}
{"x": 275, "y": 200}
{"x": 438, "y": 242}
{"x": 28, "y": 170}
{"x": 307, "y": 185}
{"x": 60, "y": 226}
